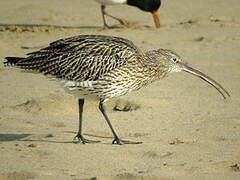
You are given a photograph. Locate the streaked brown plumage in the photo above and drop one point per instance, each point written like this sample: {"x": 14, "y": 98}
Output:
{"x": 104, "y": 67}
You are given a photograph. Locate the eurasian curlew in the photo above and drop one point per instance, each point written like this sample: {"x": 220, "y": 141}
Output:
{"x": 104, "y": 67}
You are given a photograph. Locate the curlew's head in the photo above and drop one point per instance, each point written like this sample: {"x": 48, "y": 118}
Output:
{"x": 173, "y": 63}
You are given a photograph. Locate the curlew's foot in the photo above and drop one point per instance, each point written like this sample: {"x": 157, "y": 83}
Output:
{"x": 81, "y": 139}
{"x": 121, "y": 142}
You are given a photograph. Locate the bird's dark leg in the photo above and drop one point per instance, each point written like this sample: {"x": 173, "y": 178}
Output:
{"x": 79, "y": 135}
{"x": 116, "y": 140}
{"x": 123, "y": 22}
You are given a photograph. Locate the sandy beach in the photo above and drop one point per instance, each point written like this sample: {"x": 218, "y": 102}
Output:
{"x": 189, "y": 132}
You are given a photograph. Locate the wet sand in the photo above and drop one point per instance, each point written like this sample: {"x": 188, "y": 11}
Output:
{"x": 188, "y": 130}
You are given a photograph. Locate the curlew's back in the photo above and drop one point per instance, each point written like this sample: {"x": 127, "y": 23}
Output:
{"x": 80, "y": 58}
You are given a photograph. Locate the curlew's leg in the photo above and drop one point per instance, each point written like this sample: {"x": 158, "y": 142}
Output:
{"x": 116, "y": 140}
{"x": 123, "y": 22}
{"x": 79, "y": 135}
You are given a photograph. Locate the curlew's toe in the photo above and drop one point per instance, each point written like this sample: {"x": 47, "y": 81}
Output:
{"x": 83, "y": 140}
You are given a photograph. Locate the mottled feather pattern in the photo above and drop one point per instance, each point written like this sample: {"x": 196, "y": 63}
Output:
{"x": 80, "y": 58}
{"x": 105, "y": 66}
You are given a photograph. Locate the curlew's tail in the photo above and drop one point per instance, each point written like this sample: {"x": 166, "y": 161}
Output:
{"x": 11, "y": 61}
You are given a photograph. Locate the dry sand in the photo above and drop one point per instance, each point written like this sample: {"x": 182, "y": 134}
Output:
{"x": 188, "y": 131}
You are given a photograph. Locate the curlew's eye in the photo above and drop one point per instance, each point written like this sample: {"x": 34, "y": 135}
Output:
{"x": 173, "y": 59}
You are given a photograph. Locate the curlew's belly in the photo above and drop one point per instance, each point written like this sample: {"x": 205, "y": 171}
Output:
{"x": 83, "y": 89}
{"x": 100, "y": 89}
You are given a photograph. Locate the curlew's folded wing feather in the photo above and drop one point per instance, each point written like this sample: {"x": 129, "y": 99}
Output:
{"x": 84, "y": 57}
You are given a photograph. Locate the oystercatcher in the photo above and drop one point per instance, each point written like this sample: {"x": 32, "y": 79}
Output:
{"x": 146, "y": 5}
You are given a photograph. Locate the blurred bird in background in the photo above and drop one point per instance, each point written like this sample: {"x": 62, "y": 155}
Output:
{"x": 146, "y": 5}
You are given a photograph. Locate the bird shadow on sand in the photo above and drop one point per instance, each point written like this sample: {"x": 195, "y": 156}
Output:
{"x": 27, "y": 138}
{"x": 41, "y": 138}
{"x": 12, "y": 137}
{"x": 24, "y": 26}
{"x": 51, "y": 28}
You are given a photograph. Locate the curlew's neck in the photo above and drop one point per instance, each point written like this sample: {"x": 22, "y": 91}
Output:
{"x": 153, "y": 66}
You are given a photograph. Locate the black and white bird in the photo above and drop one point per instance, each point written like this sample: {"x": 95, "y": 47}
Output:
{"x": 146, "y": 5}
{"x": 104, "y": 67}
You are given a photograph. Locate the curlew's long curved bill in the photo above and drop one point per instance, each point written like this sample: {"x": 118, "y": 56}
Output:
{"x": 156, "y": 19}
{"x": 206, "y": 78}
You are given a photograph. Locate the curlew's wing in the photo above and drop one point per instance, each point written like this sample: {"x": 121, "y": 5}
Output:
{"x": 84, "y": 57}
